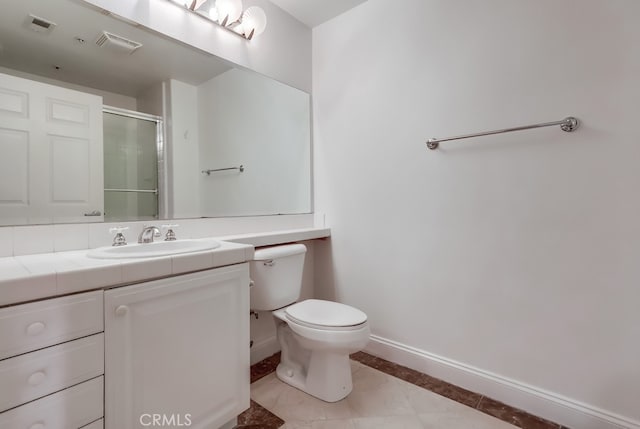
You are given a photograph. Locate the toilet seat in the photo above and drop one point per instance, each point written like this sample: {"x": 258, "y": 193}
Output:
{"x": 325, "y": 315}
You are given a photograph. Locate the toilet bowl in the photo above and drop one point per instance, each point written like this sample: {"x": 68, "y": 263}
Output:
{"x": 315, "y": 336}
{"x": 315, "y": 353}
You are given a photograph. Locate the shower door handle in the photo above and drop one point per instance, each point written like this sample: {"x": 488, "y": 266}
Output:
{"x": 94, "y": 213}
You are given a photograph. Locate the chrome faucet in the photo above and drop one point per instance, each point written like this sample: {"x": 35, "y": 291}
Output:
{"x": 148, "y": 233}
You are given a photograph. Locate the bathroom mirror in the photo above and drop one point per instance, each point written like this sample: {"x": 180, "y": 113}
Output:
{"x": 182, "y": 133}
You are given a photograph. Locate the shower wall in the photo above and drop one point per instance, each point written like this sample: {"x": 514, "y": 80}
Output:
{"x": 130, "y": 168}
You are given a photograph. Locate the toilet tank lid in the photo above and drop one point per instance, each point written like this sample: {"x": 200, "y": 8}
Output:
{"x": 326, "y": 313}
{"x": 275, "y": 252}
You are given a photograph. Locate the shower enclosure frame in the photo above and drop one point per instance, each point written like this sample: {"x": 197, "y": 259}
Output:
{"x": 160, "y": 151}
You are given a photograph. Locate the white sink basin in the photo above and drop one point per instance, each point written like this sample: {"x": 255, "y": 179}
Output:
{"x": 150, "y": 250}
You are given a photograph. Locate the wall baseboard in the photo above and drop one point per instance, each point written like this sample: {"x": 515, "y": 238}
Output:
{"x": 263, "y": 349}
{"x": 548, "y": 405}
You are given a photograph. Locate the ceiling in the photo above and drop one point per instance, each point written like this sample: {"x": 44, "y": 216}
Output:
{"x": 315, "y": 12}
{"x": 59, "y": 55}
{"x": 86, "y": 63}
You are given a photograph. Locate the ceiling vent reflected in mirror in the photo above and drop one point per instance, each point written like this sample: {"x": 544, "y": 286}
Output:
{"x": 40, "y": 25}
{"x": 117, "y": 44}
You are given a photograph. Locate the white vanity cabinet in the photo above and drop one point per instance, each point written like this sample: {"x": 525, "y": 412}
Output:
{"x": 52, "y": 363}
{"x": 178, "y": 347}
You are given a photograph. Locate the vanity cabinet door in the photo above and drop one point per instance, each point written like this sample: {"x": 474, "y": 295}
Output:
{"x": 178, "y": 347}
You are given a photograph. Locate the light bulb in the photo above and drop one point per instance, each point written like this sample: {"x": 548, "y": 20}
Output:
{"x": 254, "y": 20}
{"x": 213, "y": 13}
{"x": 229, "y": 10}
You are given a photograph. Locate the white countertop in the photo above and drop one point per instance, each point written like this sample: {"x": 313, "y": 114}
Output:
{"x": 31, "y": 277}
{"x": 278, "y": 237}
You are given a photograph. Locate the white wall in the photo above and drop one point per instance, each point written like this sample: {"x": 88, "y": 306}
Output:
{"x": 151, "y": 100}
{"x": 282, "y": 52}
{"x": 183, "y": 148}
{"x": 515, "y": 256}
{"x": 247, "y": 119}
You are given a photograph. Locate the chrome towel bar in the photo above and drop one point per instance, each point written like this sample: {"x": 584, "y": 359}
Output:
{"x": 142, "y": 191}
{"x": 208, "y": 172}
{"x": 567, "y": 124}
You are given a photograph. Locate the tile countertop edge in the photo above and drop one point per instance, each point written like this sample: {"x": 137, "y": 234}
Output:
{"x": 46, "y": 275}
{"x": 278, "y": 237}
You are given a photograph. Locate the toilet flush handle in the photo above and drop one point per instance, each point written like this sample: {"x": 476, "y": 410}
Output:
{"x": 269, "y": 263}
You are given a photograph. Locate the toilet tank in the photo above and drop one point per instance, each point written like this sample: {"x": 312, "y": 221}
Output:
{"x": 277, "y": 276}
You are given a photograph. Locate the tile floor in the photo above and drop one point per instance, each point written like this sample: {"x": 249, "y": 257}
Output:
{"x": 378, "y": 400}
{"x": 386, "y": 395}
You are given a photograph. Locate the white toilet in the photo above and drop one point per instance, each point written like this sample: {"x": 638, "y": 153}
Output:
{"x": 316, "y": 337}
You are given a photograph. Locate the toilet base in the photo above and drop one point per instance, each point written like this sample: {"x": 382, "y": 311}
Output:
{"x": 328, "y": 377}
{"x": 323, "y": 374}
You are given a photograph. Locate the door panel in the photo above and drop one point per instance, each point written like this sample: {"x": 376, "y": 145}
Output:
{"x": 14, "y": 168}
{"x": 14, "y": 103}
{"x": 59, "y": 133}
{"x": 70, "y": 185}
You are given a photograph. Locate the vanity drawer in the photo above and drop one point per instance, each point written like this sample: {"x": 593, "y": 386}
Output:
{"x": 69, "y": 409}
{"x": 28, "y": 327}
{"x": 36, "y": 374}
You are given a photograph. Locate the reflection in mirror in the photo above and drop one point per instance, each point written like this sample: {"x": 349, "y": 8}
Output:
{"x": 132, "y": 142}
{"x": 176, "y": 111}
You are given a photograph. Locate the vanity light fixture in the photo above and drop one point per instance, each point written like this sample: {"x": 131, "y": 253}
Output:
{"x": 230, "y": 15}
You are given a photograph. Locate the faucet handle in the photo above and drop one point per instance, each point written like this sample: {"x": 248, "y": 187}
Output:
{"x": 119, "y": 239}
{"x": 171, "y": 235}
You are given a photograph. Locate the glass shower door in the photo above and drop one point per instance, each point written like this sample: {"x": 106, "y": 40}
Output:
{"x": 130, "y": 166}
